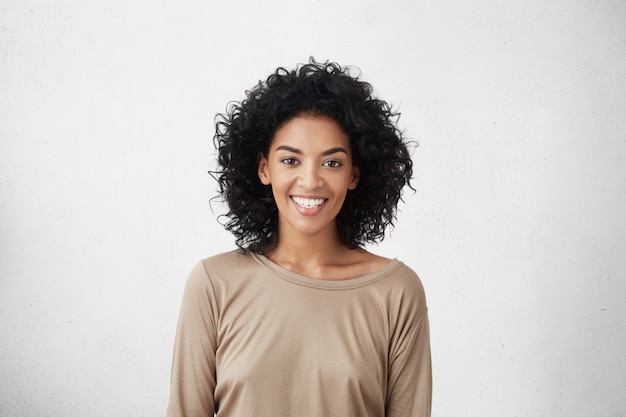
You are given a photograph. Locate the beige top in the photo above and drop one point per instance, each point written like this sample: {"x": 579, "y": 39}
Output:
{"x": 255, "y": 339}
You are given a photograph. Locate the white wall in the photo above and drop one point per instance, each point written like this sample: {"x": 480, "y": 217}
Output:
{"x": 517, "y": 227}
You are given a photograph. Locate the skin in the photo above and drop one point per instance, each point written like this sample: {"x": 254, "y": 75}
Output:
{"x": 309, "y": 167}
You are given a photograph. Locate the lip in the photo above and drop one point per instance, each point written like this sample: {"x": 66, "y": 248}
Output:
{"x": 308, "y": 211}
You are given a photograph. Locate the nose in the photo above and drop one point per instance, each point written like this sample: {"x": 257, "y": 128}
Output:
{"x": 310, "y": 178}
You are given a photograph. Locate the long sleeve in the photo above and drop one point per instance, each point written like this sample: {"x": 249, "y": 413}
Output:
{"x": 193, "y": 364}
{"x": 409, "y": 388}
{"x": 255, "y": 339}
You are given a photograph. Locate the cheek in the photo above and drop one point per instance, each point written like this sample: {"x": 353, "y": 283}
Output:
{"x": 280, "y": 186}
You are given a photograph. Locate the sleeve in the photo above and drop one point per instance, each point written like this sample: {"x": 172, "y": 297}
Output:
{"x": 409, "y": 384}
{"x": 193, "y": 363}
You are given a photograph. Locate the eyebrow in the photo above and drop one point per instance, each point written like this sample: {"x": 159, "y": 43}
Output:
{"x": 298, "y": 151}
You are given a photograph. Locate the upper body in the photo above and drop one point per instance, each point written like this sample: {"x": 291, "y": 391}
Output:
{"x": 303, "y": 321}
{"x": 257, "y": 339}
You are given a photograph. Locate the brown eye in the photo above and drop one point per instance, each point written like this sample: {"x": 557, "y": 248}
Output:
{"x": 331, "y": 163}
{"x": 289, "y": 161}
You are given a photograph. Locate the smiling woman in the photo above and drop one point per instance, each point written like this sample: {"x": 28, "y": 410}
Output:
{"x": 302, "y": 320}
{"x": 378, "y": 150}
{"x": 309, "y": 167}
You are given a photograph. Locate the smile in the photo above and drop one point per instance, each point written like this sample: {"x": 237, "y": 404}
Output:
{"x": 308, "y": 202}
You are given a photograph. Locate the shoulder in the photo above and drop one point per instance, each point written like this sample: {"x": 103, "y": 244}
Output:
{"x": 399, "y": 275}
{"x": 227, "y": 260}
{"x": 407, "y": 276}
{"x": 218, "y": 275}
{"x": 217, "y": 265}
{"x": 229, "y": 269}
{"x": 404, "y": 285}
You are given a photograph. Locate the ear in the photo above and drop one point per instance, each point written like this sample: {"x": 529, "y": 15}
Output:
{"x": 354, "y": 180}
{"x": 263, "y": 169}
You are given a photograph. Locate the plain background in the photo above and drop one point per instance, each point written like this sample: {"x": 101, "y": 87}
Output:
{"x": 517, "y": 227}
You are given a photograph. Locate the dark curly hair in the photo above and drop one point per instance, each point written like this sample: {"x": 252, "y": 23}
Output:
{"x": 325, "y": 89}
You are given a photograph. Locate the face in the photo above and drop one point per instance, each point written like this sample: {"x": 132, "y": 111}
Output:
{"x": 309, "y": 166}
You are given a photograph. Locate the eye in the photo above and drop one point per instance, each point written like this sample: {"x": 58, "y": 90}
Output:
{"x": 289, "y": 161}
{"x": 332, "y": 163}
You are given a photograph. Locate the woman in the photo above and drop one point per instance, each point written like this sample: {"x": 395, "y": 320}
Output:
{"x": 301, "y": 320}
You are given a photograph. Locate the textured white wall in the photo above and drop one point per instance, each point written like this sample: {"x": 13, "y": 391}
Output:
{"x": 517, "y": 227}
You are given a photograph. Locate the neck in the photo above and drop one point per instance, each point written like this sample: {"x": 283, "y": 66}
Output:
{"x": 308, "y": 251}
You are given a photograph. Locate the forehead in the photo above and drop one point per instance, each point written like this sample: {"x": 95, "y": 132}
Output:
{"x": 311, "y": 131}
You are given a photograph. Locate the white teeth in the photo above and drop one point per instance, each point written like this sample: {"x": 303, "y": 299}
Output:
{"x": 308, "y": 202}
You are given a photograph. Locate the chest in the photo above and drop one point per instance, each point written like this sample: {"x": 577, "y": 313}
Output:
{"x": 292, "y": 341}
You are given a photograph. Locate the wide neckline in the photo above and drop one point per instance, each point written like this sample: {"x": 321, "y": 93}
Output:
{"x": 300, "y": 279}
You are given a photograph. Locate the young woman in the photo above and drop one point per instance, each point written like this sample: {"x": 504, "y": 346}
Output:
{"x": 301, "y": 320}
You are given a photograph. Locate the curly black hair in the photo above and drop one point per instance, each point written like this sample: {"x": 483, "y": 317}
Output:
{"x": 325, "y": 89}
